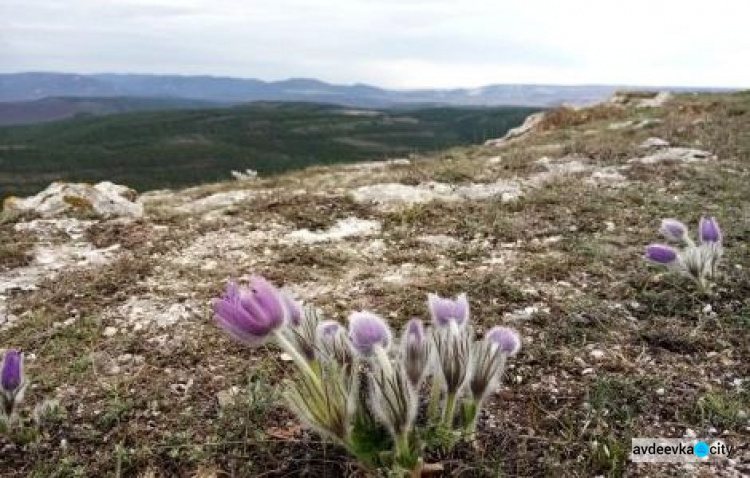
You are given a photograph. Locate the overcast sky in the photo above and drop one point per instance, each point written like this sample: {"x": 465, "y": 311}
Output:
{"x": 392, "y": 43}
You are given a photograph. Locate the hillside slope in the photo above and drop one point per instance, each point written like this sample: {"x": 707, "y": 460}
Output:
{"x": 152, "y": 150}
{"x": 545, "y": 232}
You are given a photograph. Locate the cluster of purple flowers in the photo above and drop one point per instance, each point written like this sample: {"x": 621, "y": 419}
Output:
{"x": 700, "y": 260}
{"x": 352, "y": 374}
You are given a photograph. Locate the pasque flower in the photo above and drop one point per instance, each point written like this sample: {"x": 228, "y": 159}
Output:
{"x": 334, "y": 343}
{"x": 251, "y": 315}
{"x": 506, "y": 339}
{"x": 415, "y": 351}
{"x": 11, "y": 381}
{"x": 295, "y": 312}
{"x": 488, "y": 361}
{"x": 698, "y": 261}
{"x": 453, "y": 359}
{"x": 368, "y": 332}
{"x": 446, "y": 311}
{"x": 674, "y": 229}
{"x": 709, "y": 231}
{"x": 661, "y": 253}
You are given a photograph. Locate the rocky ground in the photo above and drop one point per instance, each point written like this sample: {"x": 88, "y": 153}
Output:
{"x": 544, "y": 230}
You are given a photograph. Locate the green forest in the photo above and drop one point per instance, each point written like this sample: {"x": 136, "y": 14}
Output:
{"x": 152, "y": 150}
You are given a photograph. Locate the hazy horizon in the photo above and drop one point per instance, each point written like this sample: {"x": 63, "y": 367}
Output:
{"x": 364, "y": 83}
{"x": 405, "y": 44}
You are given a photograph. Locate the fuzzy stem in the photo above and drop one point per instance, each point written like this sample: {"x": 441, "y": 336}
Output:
{"x": 298, "y": 359}
{"x": 432, "y": 408}
{"x": 402, "y": 444}
{"x": 385, "y": 363}
{"x": 450, "y": 409}
{"x": 472, "y": 407}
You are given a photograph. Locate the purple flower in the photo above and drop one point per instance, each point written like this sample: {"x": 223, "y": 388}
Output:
{"x": 251, "y": 315}
{"x": 673, "y": 229}
{"x": 366, "y": 331}
{"x": 507, "y": 340}
{"x": 293, "y": 308}
{"x": 709, "y": 231}
{"x": 445, "y": 311}
{"x": 415, "y": 352}
{"x": 415, "y": 332}
{"x": 11, "y": 375}
{"x": 11, "y": 382}
{"x": 661, "y": 254}
{"x": 327, "y": 330}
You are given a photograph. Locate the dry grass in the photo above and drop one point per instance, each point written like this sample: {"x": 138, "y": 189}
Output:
{"x": 572, "y": 248}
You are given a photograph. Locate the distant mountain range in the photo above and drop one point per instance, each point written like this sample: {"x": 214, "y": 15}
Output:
{"x": 61, "y": 94}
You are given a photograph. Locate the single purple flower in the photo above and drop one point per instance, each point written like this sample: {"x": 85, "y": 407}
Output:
{"x": 444, "y": 311}
{"x": 11, "y": 376}
{"x": 293, "y": 308}
{"x": 415, "y": 332}
{"x": 250, "y": 315}
{"x": 709, "y": 231}
{"x": 661, "y": 254}
{"x": 507, "y": 340}
{"x": 327, "y": 330}
{"x": 415, "y": 351}
{"x": 367, "y": 331}
{"x": 673, "y": 229}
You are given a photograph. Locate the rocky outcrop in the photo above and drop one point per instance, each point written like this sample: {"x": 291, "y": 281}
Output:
{"x": 679, "y": 155}
{"x": 640, "y": 99}
{"x": 104, "y": 200}
{"x": 529, "y": 125}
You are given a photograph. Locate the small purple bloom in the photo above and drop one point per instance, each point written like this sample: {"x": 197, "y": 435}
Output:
{"x": 445, "y": 311}
{"x": 709, "y": 230}
{"x": 415, "y": 351}
{"x": 366, "y": 331}
{"x": 661, "y": 254}
{"x": 293, "y": 308}
{"x": 11, "y": 375}
{"x": 415, "y": 332}
{"x": 328, "y": 329}
{"x": 250, "y": 315}
{"x": 673, "y": 229}
{"x": 507, "y": 340}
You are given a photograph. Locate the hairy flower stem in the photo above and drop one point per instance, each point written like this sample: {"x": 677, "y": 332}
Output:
{"x": 470, "y": 414}
{"x": 450, "y": 409}
{"x": 402, "y": 444}
{"x": 432, "y": 408}
{"x": 298, "y": 359}
{"x": 385, "y": 363}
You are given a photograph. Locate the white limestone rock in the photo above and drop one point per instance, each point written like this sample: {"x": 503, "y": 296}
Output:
{"x": 680, "y": 155}
{"x": 345, "y": 228}
{"x": 104, "y": 200}
{"x": 654, "y": 143}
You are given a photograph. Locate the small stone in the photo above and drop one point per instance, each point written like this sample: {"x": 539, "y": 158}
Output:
{"x": 110, "y": 331}
{"x": 285, "y": 357}
{"x": 660, "y": 391}
{"x": 597, "y": 354}
{"x": 587, "y": 371}
{"x": 690, "y": 433}
{"x": 125, "y": 358}
{"x": 114, "y": 370}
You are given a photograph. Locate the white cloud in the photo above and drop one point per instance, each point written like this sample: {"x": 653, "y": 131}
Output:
{"x": 397, "y": 43}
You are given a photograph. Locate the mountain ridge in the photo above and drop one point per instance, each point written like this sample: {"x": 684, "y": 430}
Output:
{"x": 26, "y": 86}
